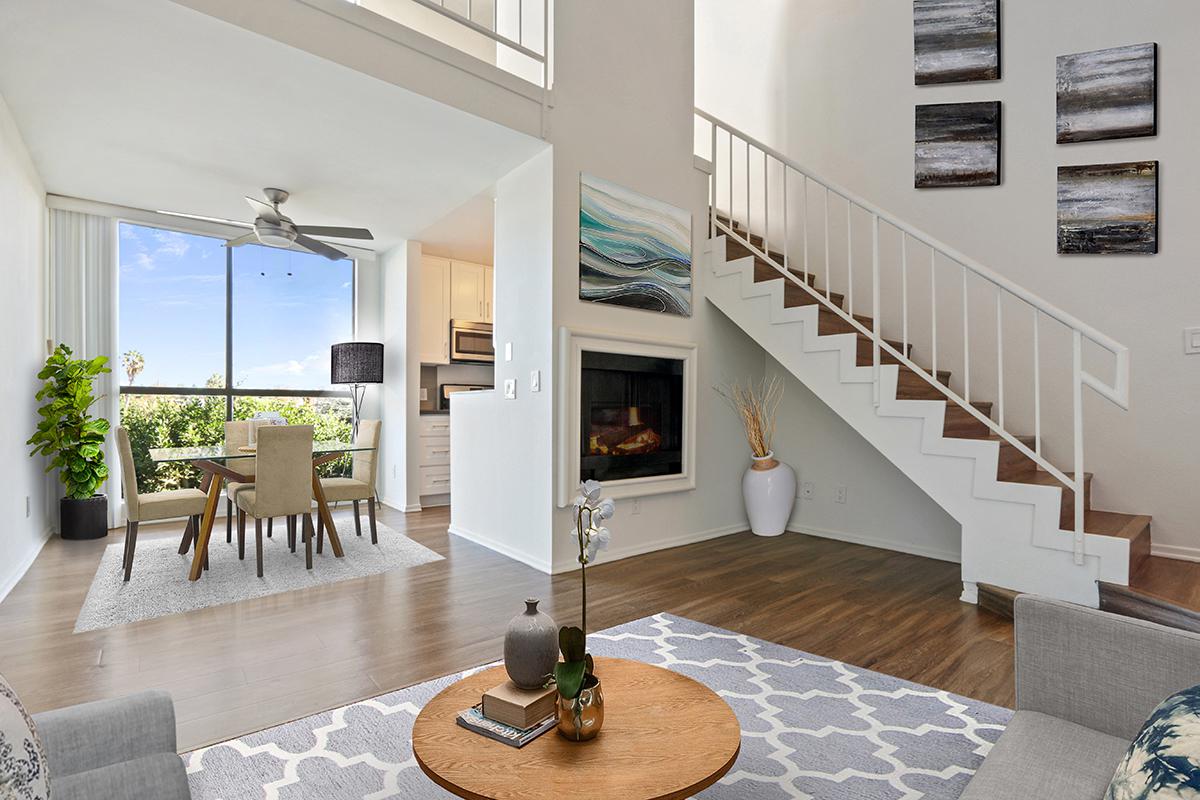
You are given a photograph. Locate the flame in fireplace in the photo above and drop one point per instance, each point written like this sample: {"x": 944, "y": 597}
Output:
{"x": 634, "y": 437}
{"x": 635, "y": 417}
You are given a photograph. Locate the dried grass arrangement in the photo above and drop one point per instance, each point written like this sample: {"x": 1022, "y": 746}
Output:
{"x": 755, "y": 403}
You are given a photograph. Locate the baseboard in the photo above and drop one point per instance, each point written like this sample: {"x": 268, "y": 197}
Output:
{"x": 619, "y": 553}
{"x": 503, "y": 549}
{"x": 407, "y": 509}
{"x": 881, "y": 544}
{"x": 1176, "y": 551}
{"x": 12, "y": 580}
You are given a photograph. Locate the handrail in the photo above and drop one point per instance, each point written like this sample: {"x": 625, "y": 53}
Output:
{"x": 491, "y": 33}
{"x": 1117, "y": 392}
{"x": 1046, "y": 307}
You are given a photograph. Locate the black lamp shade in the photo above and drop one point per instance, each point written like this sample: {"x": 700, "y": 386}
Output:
{"x": 356, "y": 362}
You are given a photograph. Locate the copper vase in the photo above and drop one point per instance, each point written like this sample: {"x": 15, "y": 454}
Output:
{"x": 580, "y": 718}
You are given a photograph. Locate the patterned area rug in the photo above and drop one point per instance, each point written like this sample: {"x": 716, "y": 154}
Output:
{"x": 159, "y": 585}
{"x": 811, "y": 727}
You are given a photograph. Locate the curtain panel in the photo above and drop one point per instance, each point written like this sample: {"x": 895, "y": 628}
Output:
{"x": 82, "y": 256}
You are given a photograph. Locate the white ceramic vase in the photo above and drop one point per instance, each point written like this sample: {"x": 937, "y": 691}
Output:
{"x": 769, "y": 495}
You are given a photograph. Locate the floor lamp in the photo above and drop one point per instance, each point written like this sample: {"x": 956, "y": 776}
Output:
{"x": 356, "y": 364}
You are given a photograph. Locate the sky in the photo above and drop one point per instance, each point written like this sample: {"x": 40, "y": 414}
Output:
{"x": 288, "y": 308}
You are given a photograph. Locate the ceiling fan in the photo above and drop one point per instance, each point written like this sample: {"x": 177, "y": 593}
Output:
{"x": 273, "y": 228}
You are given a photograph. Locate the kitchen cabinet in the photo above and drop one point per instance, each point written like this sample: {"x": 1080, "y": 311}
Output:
{"x": 434, "y": 465}
{"x": 470, "y": 292}
{"x": 434, "y": 311}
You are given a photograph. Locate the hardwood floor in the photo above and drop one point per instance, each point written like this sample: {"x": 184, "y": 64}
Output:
{"x": 241, "y": 667}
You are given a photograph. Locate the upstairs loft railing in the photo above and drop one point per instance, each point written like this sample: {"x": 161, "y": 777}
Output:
{"x": 519, "y": 29}
{"x": 782, "y": 213}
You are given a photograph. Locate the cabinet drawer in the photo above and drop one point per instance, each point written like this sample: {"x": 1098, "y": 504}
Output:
{"x": 435, "y": 425}
{"x": 435, "y": 451}
{"x": 435, "y": 480}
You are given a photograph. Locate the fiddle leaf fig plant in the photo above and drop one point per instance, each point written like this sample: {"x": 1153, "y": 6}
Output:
{"x": 67, "y": 433}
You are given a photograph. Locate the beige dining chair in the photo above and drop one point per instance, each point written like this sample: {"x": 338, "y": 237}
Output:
{"x": 282, "y": 486}
{"x": 361, "y": 483}
{"x": 155, "y": 506}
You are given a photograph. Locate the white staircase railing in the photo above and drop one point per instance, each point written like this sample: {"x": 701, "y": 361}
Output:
{"x": 785, "y": 228}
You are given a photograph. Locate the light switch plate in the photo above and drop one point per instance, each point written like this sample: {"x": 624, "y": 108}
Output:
{"x": 535, "y": 381}
{"x": 508, "y": 351}
{"x": 510, "y": 388}
{"x": 1191, "y": 341}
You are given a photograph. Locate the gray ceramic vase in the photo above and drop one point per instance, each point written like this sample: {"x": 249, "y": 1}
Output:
{"x": 530, "y": 647}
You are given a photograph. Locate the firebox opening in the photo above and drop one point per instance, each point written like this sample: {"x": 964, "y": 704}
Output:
{"x": 632, "y": 416}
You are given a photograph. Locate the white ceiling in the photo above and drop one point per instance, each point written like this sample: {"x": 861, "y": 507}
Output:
{"x": 466, "y": 233}
{"x": 148, "y": 104}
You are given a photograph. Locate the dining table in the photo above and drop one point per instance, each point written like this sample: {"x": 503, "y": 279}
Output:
{"x": 220, "y": 463}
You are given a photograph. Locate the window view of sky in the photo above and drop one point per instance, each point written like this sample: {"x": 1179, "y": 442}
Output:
{"x": 288, "y": 308}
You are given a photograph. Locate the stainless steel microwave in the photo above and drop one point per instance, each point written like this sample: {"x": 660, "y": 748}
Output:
{"x": 471, "y": 342}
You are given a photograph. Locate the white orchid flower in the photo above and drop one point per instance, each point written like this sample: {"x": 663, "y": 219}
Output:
{"x": 601, "y": 539}
{"x": 606, "y": 509}
{"x": 590, "y": 490}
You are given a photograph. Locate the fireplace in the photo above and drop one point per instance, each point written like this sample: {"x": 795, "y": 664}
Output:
{"x": 631, "y": 416}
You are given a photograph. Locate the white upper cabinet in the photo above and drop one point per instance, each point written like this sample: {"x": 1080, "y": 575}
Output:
{"x": 470, "y": 292}
{"x": 434, "y": 312}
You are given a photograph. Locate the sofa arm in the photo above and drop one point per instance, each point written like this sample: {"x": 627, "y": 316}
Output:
{"x": 92, "y": 735}
{"x": 1100, "y": 670}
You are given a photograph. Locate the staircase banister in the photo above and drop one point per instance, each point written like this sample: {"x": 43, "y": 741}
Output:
{"x": 1045, "y": 306}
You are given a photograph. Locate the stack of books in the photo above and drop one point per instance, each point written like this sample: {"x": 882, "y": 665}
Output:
{"x": 512, "y": 715}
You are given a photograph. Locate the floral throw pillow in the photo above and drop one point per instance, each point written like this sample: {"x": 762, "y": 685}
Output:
{"x": 23, "y": 774}
{"x": 1163, "y": 762}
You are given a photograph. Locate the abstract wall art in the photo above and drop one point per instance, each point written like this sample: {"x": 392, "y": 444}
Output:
{"x": 957, "y": 144}
{"x": 1108, "y": 208}
{"x": 634, "y": 251}
{"x": 1108, "y": 94}
{"x": 955, "y": 41}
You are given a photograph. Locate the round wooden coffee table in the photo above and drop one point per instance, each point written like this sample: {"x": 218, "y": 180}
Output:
{"x": 665, "y": 736}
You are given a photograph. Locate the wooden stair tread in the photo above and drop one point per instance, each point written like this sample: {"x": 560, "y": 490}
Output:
{"x": 1169, "y": 579}
{"x": 1114, "y": 523}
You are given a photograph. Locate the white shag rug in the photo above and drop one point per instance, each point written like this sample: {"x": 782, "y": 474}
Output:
{"x": 159, "y": 584}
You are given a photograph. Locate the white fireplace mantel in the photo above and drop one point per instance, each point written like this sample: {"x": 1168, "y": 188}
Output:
{"x": 572, "y": 344}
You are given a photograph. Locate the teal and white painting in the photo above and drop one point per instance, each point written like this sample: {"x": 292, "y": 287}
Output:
{"x": 634, "y": 251}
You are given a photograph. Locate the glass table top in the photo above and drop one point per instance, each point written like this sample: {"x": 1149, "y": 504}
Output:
{"x": 219, "y": 452}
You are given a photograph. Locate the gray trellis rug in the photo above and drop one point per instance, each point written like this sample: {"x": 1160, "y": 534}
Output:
{"x": 811, "y": 727}
{"x": 159, "y": 584}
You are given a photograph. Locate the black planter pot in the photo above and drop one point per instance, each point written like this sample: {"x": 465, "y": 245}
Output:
{"x": 83, "y": 519}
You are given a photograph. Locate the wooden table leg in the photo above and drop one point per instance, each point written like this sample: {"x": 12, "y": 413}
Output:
{"x": 323, "y": 509}
{"x": 206, "y": 526}
{"x": 189, "y": 533}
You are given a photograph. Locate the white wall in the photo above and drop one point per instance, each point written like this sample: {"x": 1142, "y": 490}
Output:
{"x": 631, "y": 122}
{"x": 500, "y": 450}
{"x": 22, "y": 329}
{"x": 850, "y": 62}
{"x": 398, "y": 480}
{"x": 883, "y": 507}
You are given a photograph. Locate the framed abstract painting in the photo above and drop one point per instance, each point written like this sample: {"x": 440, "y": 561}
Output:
{"x": 1107, "y": 94}
{"x": 634, "y": 251}
{"x": 1108, "y": 208}
{"x": 957, "y": 144}
{"x": 956, "y": 41}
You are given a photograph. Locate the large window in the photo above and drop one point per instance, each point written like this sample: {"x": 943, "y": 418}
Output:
{"x": 209, "y": 333}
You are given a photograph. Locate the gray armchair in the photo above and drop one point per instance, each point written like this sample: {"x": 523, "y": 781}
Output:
{"x": 120, "y": 749}
{"x": 1086, "y": 681}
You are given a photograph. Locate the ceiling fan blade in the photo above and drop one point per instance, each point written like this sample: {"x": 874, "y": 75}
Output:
{"x": 203, "y": 218}
{"x": 337, "y": 233}
{"x": 264, "y": 210}
{"x": 246, "y": 238}
{"x": 320, "y": 248}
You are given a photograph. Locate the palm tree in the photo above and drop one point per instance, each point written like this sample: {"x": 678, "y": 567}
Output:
{"x": 134, "y": 363}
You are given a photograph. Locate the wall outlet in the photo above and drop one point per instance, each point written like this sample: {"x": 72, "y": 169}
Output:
{"x": 1191, "y": 341}
{"x": 839, "y": 494}
{"x": 535, "y": 380}
{"x": 637, "y": 505}
{"x": 510, "y": 388}
{"x": 508, "y": 351}
{"x": 424, "y": 394}
{"x": 808, "y": 490}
